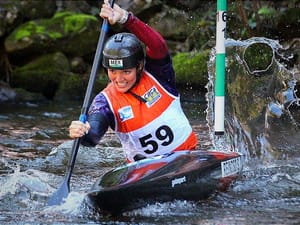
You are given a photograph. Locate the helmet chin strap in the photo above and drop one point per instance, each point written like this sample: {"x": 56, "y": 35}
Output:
{"x": 138, "y": 78}
{"x": 140, "y": 98}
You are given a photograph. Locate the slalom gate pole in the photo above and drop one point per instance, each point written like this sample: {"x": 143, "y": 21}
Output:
{"x": 219, "y": 109}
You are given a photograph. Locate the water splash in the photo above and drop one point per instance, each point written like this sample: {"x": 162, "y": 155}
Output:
{"x": 262, "y": 108}
{"x": 174, "y": 208}
{"x": 32, "y": 181}
{"x": 26, "y": 189}
{"x": 73, "y": 205}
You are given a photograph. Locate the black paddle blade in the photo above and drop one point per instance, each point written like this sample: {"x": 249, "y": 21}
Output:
{"x": 59, "y": 195}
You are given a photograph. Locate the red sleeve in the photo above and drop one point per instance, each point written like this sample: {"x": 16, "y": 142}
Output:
{"x": 156, "y": 47}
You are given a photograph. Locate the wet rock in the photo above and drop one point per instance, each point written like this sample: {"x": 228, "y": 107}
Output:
{"x": 6, "y": 93}
{"x": 78, "y": 65}
{"x": 26, "y": 96}
{"x": 87, "y": 156}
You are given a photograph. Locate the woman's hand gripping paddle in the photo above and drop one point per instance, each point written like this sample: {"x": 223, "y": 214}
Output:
{"x": 62, "y": 192}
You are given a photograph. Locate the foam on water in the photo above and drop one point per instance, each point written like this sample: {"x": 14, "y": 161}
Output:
{"x": 73, "y": 205}
{"x": 177, "y": 207}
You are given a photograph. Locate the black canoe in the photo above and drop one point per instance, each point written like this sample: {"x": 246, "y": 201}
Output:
{"x": 182, "y": 175}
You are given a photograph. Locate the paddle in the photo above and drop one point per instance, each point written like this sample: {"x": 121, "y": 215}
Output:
{"x": 62, "y": 192}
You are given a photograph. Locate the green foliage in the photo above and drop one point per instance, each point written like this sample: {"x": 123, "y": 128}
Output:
{"x": 266, "y": 12}
{"x": 201, "y": 27}
{"x": 266, "y": 16}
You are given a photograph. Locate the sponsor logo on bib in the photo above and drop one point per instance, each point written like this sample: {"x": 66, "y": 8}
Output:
{"x": 152, "y": 96}
{"x": 125, "y": 113}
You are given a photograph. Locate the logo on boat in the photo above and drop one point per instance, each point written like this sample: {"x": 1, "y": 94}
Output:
{"x": 152, "y": 96}
{"x": 231, "y": 167}
{"x": 125, "y": 113}
{"x": 178, "y": 181}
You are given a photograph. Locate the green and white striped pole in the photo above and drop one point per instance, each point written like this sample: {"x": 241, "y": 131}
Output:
{"x": 220, "y": 67}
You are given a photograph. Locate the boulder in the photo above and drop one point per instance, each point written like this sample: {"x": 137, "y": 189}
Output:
{"x": 42, "y": 74}
{"x": 191, "y": 68}
{"x": 60, "y": 33}
{"x": 166, "y": 24}
{"x": 15, "y": 12}
{"x": 6, "y": 93}
{"x": 262, "y": 105}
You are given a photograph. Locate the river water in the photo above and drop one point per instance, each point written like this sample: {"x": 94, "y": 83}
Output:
{"x": 266, "y": 193}
{"x": 35, "y": 150}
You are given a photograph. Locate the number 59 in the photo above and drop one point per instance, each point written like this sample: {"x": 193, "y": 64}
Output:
{"x": 163, "y": 133}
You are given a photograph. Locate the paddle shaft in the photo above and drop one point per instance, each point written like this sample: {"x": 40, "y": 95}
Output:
{"x": 65, "y": 186}
{"x": 88, "y": 94}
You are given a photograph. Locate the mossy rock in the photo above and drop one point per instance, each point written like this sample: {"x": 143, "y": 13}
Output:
{"x": 191, "y": 68}
{"x": 258, "y": 57}
{"x": 74, "y": 86}
{"x": 69, "y": 32}
{"x": 42, "y": 75}
{"x": 26, "y": 96}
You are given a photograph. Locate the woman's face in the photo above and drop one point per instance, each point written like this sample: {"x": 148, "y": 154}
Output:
{"x": 123, "y": 80}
